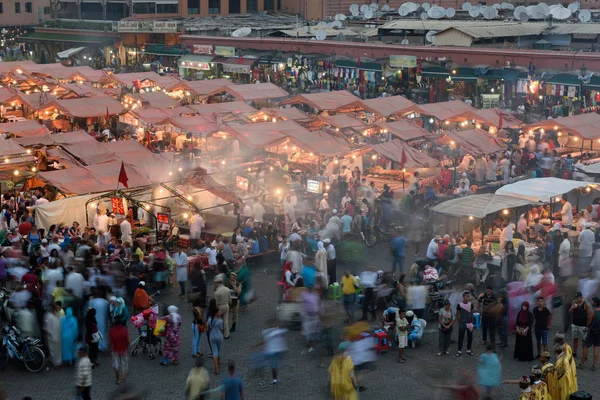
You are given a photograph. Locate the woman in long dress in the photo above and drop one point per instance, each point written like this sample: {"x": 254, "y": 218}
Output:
{"x": 102, "y": 310}
{"x": 52, "y": 326}
{"x": 523, "y": 342}
{"x": 321, "y": 260}
{"x": 69, "y": 333}
{"x": 172, "y": 337}
{"x": 341, "y": 376}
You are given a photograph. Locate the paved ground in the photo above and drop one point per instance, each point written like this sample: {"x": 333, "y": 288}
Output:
{"x": 300, "y": 377}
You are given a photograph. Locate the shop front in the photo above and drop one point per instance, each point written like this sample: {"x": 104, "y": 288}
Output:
{"x": 462, "y": 84}
{"x": 564, "y": 95}
{"x": 433, "y": 86}
{"x": 196, "y": 66}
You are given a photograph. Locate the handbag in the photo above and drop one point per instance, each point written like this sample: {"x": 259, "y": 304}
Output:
{"x": 202, "y": 327}
{"x": 96, "y": 337}
{"x": 159, "y": 329}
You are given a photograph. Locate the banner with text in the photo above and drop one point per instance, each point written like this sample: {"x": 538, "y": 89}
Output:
{"x": 403, "y": 61}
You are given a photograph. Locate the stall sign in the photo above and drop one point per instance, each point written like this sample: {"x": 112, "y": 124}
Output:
{"x": 126, "y": 119}
{"x": 165, "y": 26}
{"x": 118, "y": 205}
{"x": 163, "y": 218}
{"x": 128, "y": 26}
{"x": 225, "y": 51}
{"x": 202, "y": 49}
{"x": 195, "y": 65}
{"x": 490, "y": 100}
{"x": 403, "y": 61}
{"x": 241, "y": 183}
{"x": 238, "y": 69}
{"x": 313, "y": 186}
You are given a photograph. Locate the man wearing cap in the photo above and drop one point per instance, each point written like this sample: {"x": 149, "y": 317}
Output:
{"x": 331, "y": 261}
{"x": 593, "y": 334}
{"x": 44, "y": 248}
{"x": 586, "y": 249}
{"x": 582, "y": 317}
{"x": 433, "y": 249}
{"x": 223, "y": 298}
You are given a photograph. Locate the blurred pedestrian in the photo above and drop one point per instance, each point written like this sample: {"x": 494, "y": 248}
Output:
{"x": 83, "y": 375}
{"x": 489, "y": 370}
{"x": 197, "y": 381}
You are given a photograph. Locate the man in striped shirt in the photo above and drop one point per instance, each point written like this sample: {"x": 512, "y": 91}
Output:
{"x": 83, "y": 375}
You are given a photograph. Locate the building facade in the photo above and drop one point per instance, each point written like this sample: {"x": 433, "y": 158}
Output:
{"x": 24, "y": 13}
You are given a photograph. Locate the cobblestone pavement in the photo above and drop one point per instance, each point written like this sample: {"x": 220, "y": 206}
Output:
{"x": 300, "y": 375}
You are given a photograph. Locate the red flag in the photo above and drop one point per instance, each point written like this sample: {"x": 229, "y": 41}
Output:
{"x": 500, "y": 121}
{"x": 107, "y": 114}
{"x": 123, "y": 175}
{"x": 403, "y": 158}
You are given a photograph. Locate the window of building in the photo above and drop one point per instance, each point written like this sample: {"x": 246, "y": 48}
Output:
{"x": 251, "y": 6}
{"x": 28, "y": 8}
{"x": 1, "y": 8}
{"x": 144, "y": 8}
{"x": 269, "y": 5}
{"x": 214, "y": 6}
{"x": 193, "y": 6}
{"x": 18, "y": 7}
{"x": 167, "y": 8}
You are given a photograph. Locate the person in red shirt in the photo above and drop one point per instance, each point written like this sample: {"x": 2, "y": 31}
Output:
{"x": 119, "y": 343}
{"x": 24, "y": 227}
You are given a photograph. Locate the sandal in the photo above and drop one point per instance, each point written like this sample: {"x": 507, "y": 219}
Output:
{"x": 118, "y": 382}
{"x": 175, "y": 362}
{"x": 469, "y": 352}
{"x": 440, "y": 354}
{"x": 164, "y": 364}
{"x": 196, "y": 355}
{"x": 458, "y": 353}
{"x": 210, "y": 356}
{"x": 593, "y": 367}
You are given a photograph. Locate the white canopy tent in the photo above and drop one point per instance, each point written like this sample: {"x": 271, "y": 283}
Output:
{"x": 479, "y": 205}
{"x": 69, "y": 52}
{"x": 543, "y": 190}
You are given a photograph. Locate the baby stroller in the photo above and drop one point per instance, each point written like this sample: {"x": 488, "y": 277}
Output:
{"x": 147, "y": 341}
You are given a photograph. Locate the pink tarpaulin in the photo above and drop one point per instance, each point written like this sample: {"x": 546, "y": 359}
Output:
{"x": 253, "y": 91}
{"x": 124, "y": 146}
{"x": 127, "y": 79}
{"x": 200, "y": 88}
{"x": 35, "y": 101}
{"x": 585, "y": 126}
{"x": 320, "y": 142}
{"x": 342, "y": 121}
{"x": 154, "y": 100}
{"x": 235, "y": 107}
{"x": 10, "y": 147}
{"x": 196, "y": 125}
{"x": 414, "y": 158}
{"x": 446, "y": 110}
{"x": 340, "y": 99}
{"x": 491, "y": 117}
{"x": 476, "y": 141}
{"x": 262, "y": 135}
{"x": 159, "y": 115}
{"x": 92, "y": 107}
{"x": 67, "y": 138}
{"x": 391, "y": 105}
{"x": 289, "y": 113}
{"x": 7, "y": 95}
{"x": 91, "y": 152}
{"x": 82, "y": 89}
{"x": 404, "y": 130}
{"x": 27, "y": 128}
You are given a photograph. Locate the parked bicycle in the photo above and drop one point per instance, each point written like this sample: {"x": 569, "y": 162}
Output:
{"x": 27, "y": 350}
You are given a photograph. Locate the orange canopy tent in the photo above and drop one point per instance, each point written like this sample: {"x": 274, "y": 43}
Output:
{"x": 67, "y": 138}
{"x": 585, "y": 126}
{"x": 335, "y": 100}
{"x": 253, "y": 91}
{"x": 7, "y": 95}
{"x": 446, "y": 110}
{"x": 159, "y": 115}
{"x": 235, "y": 107}
{"x": 404, "y": 130}
{"x": 196, "y": 124}
{"x": 475, "y": 141}
{"x": 287, "y": 113}
{"x": 200, "y": 88}
{"x": 92, "y": 107}
{"x": 10, "y": 147}
{"x": 262, "y": 135}
{"x": 391, "y": 105}
{"x": 491, "y": 117}
{"x": 27, "y": 128}
{"x": 414, "y": 158}
{"x": 320, "y": 143}
{"x": 154, "y": 99}
{"x": 342, "y": 121}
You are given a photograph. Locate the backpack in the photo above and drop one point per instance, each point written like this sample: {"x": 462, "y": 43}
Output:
{"x": 449, "y": 253}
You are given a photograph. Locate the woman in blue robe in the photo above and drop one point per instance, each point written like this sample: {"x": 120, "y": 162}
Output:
{"x": 101, "y": 306}
{"x": 311, "y": 236}
{"x": 69, "y": 333}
